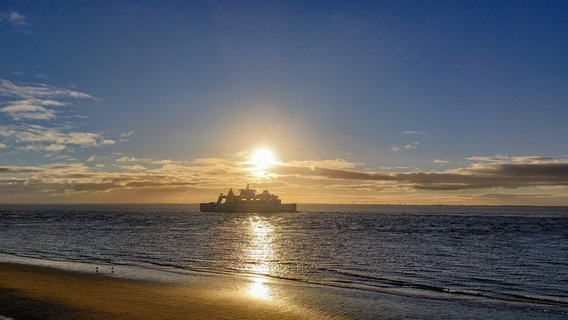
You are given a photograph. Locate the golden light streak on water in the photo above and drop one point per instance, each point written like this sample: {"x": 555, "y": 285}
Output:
{"x": 259, "y": 255}
{"x": 258, "y": 289}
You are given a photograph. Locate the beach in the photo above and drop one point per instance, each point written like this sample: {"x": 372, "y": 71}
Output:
{"x": 36, "y": 292}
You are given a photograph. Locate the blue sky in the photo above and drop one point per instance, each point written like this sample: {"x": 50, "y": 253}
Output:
{"x": 165, "y": 101}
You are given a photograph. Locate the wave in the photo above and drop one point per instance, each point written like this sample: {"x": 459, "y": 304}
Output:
{"x": 358, "y": 281}
{"x": 386, "y": 285}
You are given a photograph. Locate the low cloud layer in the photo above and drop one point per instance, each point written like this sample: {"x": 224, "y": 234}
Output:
{"x": 135, "y": 180}
{"x": 477, "y": 176}
{"x": 130, "y": 179}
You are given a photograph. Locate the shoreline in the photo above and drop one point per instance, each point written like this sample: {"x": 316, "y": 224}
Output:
{"x": 40, "y": 292}
{"x": 34, "y": 291}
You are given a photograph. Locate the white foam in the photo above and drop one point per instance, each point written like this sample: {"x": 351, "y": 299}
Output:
{"x": 118, "y": 271}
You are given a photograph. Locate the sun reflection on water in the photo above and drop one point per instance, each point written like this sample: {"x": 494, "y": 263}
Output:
{"x": 258, "y": 289}
{"x": 259, "y": 254}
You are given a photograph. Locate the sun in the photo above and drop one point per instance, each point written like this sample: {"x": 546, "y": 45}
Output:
{"x": 263, "y": 158}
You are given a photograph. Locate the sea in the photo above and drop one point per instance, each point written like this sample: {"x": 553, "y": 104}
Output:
{"x": 466, "y": 262}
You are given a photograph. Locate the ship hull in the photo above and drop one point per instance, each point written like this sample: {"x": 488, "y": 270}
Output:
{"x": 251, "y": 208}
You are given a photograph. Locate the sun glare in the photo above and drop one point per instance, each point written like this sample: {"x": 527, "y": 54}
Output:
{"x": 258, "y": 289}
{"x": 262, "y": 158}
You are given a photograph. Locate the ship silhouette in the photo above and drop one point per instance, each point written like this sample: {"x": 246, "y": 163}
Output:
{"x": 247, "y": 201}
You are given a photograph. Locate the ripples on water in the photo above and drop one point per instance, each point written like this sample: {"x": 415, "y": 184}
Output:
{"x": 501, "y": 255}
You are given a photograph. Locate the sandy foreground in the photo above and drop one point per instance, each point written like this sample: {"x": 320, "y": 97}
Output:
{"x": 37, "y": 292}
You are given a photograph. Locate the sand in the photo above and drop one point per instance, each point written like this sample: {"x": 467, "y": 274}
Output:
{"x": 37, "y": 292}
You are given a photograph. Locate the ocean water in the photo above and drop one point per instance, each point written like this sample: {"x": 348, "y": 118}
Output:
{"x": 510, "y": 260}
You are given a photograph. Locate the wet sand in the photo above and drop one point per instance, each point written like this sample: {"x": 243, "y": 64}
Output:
{"x": 36, "y": 292}
{"x": 30, "y": 292}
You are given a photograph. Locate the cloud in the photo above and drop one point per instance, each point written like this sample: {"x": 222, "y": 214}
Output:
{"x": 537, "y": 159}
{"x": 211, "y": 162}
{"x": 25, "y": 110}
{"x": 549, "y": 170}
{"x": 29, "y": 103}
{"x": 127, "y": 134}
{"x": 16, "y": 169}
{"x": 14, "y": 18}
{"x": 494, "y": 159}
{"x": 477, "y": 176}
{"x": 107, "y": 142}
{"x": 220, "y": 172}
{"x": 522, "y": 159}
{"x": 405, "y": 147}
{"x": 2, "y": 145}
{"x": 35, "y": 102}
{"x": 133, "y": 168}
{"x": 50, "y": 147}
{"x": 124, "y": 136}
{"x": 63, "y": 180}
{"x": 133, "y": 173}
{"x": 36, "y": 133}
{"x": 37, "y": 138}
{"x": 126, "y": 159}
{"x": 144, "y": 180}
{"x": 331, "y": 173}
{"x": 439, "y": 161}
{"x": 38, "y": 91}
{"x": 413, "y": 132}
{"x": 331, "y": 164}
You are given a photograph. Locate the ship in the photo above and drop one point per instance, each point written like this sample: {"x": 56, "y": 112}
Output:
{"x": 248, "y": 201}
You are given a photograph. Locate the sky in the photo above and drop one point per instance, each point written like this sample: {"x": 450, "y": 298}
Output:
{"x": 386, "y": 102}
